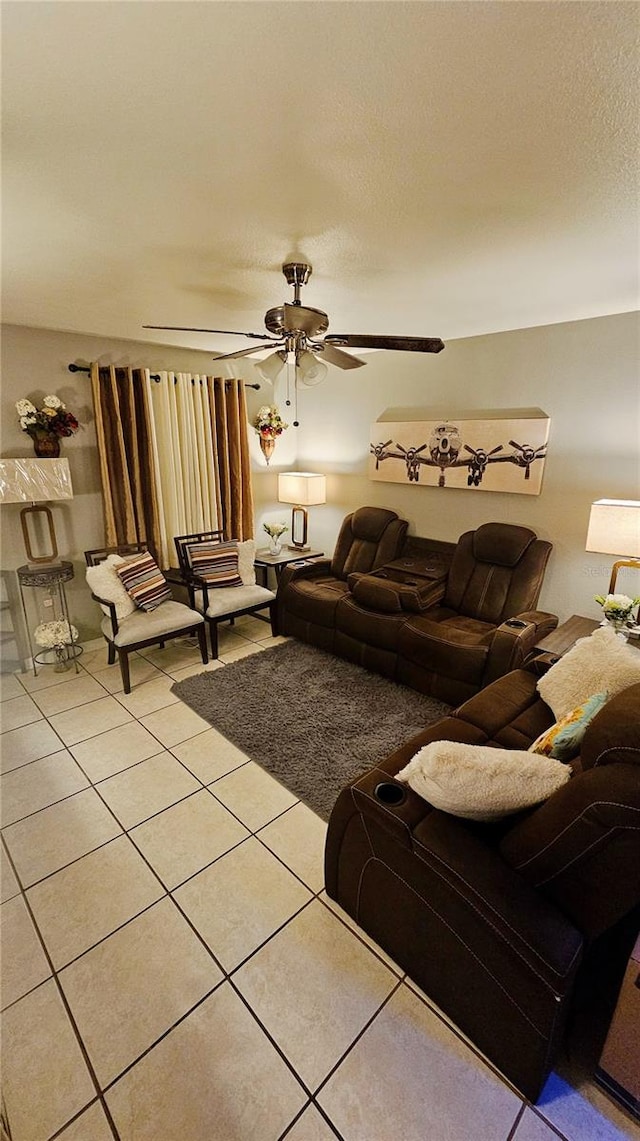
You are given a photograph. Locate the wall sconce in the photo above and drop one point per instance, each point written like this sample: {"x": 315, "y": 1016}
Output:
{"x": 614, "y": 529}
{"x": 36, "y": 481}
{"x": 303, "y": 489}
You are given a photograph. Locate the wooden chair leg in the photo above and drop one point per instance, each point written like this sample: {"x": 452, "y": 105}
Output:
{"x": 111, "y": 653}
{"x": 124, "y": 670}
{"x": 213, "y": 634}
{"x": 273, "y": 615}
{"x": 202, "y": 642}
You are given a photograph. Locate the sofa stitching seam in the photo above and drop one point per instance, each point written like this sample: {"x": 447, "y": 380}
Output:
{"x": 571, "y": 824}
{"x": 458, "y": 937}
{"x": 560, "y": 974}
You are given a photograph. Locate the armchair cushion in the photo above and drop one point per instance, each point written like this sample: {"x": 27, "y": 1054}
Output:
{"x": 144, "y": 581}
{"x": 601, "y": 661}
{"x": 104, "y": 582}
{"x": 231, "y": 599}
{"x": 143, "y": 625}
{"x": 216, "y": 563}
{"x": 478, "y": 782}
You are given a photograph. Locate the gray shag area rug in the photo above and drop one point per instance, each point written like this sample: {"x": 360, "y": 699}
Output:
{"x": 312, "y": 720}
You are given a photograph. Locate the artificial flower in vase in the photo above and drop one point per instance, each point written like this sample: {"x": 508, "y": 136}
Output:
{"x": 46, "y": 425}
{"x": 617, "y": 609}
{"x": 269, "y": 425}
{"x": 58, "y": 636}
{"x": 275, "y": 532}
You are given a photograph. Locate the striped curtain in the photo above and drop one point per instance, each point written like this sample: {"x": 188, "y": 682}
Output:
{"x": 174, "y": 457}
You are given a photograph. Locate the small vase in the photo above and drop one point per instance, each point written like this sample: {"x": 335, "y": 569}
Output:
{"x": 46, "y": 445}
{"x": 275, "y": 545}
{"x": 267, "y": 443}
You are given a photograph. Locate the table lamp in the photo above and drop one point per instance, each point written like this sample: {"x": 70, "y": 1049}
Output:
{"x": 303, "y": 489}
{"x": 36, "y": 482}
{"x": 614, "y": 529}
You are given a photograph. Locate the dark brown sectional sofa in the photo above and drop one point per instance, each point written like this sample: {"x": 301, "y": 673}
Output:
{"x": 493, "y": 921}
{"x": 443, "y": 618}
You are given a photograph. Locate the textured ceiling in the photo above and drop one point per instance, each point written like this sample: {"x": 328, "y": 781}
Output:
{"x": 449, "y": 168}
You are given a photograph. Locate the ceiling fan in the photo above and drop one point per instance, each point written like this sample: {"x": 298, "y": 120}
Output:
{"x": 293, "y": 330}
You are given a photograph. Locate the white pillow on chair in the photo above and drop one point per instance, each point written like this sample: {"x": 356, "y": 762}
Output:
{"x": 103, "y": 581}
{"x": 246, "y": 557}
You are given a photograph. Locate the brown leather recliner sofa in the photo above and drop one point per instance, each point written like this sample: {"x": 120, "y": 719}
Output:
{"x": 494, "y": 920}
{"x": 443, "y": 618}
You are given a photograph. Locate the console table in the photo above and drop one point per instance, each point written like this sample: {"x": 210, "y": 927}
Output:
{"x": 561, "y": 640}
{"x": 264, "y": 559}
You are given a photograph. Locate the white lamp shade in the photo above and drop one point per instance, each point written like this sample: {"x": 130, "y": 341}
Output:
{"x": 614, "y": 527}
{"x": 34, "y": 481}
{"x": 271, "y": 367}
{"x": 302, "y": 487}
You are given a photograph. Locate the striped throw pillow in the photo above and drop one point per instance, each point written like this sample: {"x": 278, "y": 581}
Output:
{"x": 216, "y": 563}
{"x": 143, "y": 581}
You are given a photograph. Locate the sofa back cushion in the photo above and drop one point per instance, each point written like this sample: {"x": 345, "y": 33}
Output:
{"x": 369, "y": 538}
{"x": 496, "y": 572}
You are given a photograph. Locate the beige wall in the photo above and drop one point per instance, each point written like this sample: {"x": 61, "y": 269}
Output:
{"x": 583, "y": 374}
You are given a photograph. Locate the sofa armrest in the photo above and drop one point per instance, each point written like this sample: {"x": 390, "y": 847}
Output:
{"x": 514, "y": 641}
{"x": 310, "y": 569}
{"x": 499, "y": 897}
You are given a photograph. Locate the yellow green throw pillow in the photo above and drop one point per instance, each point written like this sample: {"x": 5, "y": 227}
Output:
{"x": 562, "y": 740}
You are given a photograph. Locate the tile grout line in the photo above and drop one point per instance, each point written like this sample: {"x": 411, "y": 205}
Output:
{"x": 63, "y": 998}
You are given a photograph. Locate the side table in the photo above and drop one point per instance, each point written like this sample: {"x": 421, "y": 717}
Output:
{"x": 264, "y": 559}
{"x": 560, "y": 640}
{"x": 50, "y": 607}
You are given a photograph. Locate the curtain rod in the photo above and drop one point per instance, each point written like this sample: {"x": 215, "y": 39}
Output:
{"x": 153, "y": 375}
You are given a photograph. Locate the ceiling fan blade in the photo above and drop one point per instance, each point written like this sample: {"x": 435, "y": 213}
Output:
{"x": 332, "y": 355}
{"x": 244, "y": 352}
{"x": 300, "y": 319}
{"x": 402, "y": 344}
{"x": 225, "y": 332}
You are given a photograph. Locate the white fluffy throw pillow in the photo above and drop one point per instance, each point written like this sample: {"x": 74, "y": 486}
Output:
{"x": 479, "y": 782}
{"x": 600, "y": 662}
{"x": 104, "y": 582}
{"x": 246, "y": 556}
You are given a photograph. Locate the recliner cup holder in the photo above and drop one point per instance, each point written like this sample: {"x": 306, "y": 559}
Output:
{"x": 390, "y": 794}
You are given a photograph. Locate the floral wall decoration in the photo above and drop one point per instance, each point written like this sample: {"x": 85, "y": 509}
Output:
{"x": 269, "y": 425}
{"x": 505, "y": 452}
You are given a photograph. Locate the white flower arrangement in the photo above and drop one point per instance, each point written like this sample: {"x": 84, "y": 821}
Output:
{"x": 275, "y": 530}
{"x": 52, "y": 635}
{"x": 52, "y": 419}
{"x": 617, "y": 608}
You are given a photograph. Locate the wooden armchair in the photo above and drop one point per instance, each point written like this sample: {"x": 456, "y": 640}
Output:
{"x": 223, "y": 603}
{"x": 128, "y": 628}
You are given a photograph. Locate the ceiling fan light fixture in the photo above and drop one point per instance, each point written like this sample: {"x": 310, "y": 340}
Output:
{"x": 271, "y": 367}
{"x": 311, "y": 369}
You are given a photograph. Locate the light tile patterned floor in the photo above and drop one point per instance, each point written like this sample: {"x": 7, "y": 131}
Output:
{"x": 172, "y": 969}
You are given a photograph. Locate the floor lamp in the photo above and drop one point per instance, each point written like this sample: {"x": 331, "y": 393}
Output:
{"x": 36, "y": 482}
{"x": 614, "y": 529}
{"x": 303, "y": 489}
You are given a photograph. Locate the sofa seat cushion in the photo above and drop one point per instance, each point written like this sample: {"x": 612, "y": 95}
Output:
{"x": 447, "y": 643}
{"x": 315, "y": 599}
{"x": 369, "y": 626}
{"x": 231, "y": 599}
{"x": 144, "y": 624}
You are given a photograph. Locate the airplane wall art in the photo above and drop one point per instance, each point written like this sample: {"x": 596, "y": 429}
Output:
{"x": 489, "y": 454}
